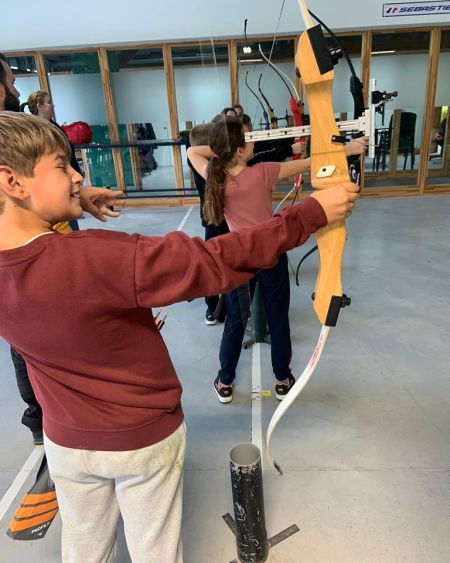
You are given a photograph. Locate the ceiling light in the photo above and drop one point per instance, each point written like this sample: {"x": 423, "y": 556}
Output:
{"x": 251, "y": 61}
{"x": 247, "y": 49}
{"x": 382, "y": 52}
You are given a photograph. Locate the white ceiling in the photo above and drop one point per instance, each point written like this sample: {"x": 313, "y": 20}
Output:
{"x": 46, "y": 23}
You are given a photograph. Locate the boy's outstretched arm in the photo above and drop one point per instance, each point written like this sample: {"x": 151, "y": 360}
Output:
{"x": 177, "y": 268}
{"x": 96, "y": 201}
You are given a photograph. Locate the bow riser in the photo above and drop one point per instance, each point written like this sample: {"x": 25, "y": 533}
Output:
{"x": 328, "y": 168}
{"x": 328, "y": 291}
{"x": 324, "y": 152}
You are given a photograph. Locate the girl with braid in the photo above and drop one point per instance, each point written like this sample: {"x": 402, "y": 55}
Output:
{"x": 243, "y": 196}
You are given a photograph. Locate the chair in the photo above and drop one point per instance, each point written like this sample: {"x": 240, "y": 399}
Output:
{"x": 405, "y": 141}
{"x": 407, "y": 135}
{"x": 382, "y": 147}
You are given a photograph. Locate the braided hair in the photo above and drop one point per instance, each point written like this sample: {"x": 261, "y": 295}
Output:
{"x": 226, "y": 136}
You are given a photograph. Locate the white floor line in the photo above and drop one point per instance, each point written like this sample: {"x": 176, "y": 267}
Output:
{"x": 20, "y": 479}
{"x": 186, "y": 217}
{"x": 257, "y": 439}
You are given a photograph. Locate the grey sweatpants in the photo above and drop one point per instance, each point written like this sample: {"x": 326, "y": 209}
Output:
{"x": 144, "y": 486}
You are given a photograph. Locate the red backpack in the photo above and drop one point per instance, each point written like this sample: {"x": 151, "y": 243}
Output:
{"x": 78, "y": 132}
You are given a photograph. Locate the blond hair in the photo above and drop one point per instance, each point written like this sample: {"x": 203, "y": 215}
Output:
{"x": 25, "y": 139}
{"x": 34, "y": 99}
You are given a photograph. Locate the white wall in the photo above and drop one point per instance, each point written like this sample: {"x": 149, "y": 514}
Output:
{"x": 115, "y": 21}
{"x": 26, "y": 85}
{"x": 78, "y": 97}
{"x": 443, "y": 83}
{"x": 406, "y": 74}
{"x": 141, "y": 98}
{"x": 202, "y": 92}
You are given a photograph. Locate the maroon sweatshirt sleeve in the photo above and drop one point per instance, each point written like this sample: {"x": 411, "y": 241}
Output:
{"x": 176, "y": 268}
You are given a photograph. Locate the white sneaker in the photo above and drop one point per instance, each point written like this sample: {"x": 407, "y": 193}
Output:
{"x": 210, "y": 318}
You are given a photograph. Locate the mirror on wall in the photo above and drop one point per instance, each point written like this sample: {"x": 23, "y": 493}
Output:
{"x": 76, "y": 87}
{"x": 262, "y": 93}
{"x": 142, "y": 113}
{"x": 265, "y": 96}
{"x": 439, "y": 158}
{"x": 25, "y": 74}
{"x": 202, "y": 82}
{"x": 399, "y": 62}
{"x": 202, "y": 85}
{"x": 77, "y": 92}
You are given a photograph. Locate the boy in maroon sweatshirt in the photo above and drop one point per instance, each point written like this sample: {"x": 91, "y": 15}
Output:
{"x": 113, "y": 423}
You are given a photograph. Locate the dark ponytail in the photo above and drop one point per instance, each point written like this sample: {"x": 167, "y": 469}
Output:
{"x": 226, "y": 137}
{"x": 23, "y": 106}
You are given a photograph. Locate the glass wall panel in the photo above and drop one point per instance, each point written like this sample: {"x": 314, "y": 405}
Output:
{"x": 76, "y": 90}
{"x": 25, "y": 74}
{"x": 438, "y": 164}
{"x": 399, "y": 62}
{"x": 265, "y": 98}
{"x": 202, "y": 84}
{"x": 140, "y": 96}
{"x": 256, "y": 75}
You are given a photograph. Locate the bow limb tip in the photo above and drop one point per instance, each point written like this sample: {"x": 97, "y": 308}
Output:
{"x": 278, "y": 468}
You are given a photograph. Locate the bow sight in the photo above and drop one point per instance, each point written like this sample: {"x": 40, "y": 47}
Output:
{"x": 380, "y": 99}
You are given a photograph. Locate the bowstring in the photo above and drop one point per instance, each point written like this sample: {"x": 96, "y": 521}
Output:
{"x": 275, "y": 35}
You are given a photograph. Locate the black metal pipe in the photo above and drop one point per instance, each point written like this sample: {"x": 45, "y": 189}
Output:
{"x": 248, "y": 503}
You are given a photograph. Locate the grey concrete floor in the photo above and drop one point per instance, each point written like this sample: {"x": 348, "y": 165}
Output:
{"x": 365, "y": 449}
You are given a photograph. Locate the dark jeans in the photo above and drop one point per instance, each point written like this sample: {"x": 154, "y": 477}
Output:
{"x": 275, "y": 290}
{"x": 212, "y": 231}
{"x": 32, "y": 416}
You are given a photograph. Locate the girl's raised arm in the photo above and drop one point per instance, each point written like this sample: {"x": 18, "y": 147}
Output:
{"x": 199, "y": 157}
{"x": 293, "y": 167}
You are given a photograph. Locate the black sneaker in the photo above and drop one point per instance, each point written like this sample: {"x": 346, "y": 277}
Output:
{"x": 38, "y": 438}
{"x": 224, "y": 394}
{"x": 210, "y": 319}
{"x": 282, "y": 390}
